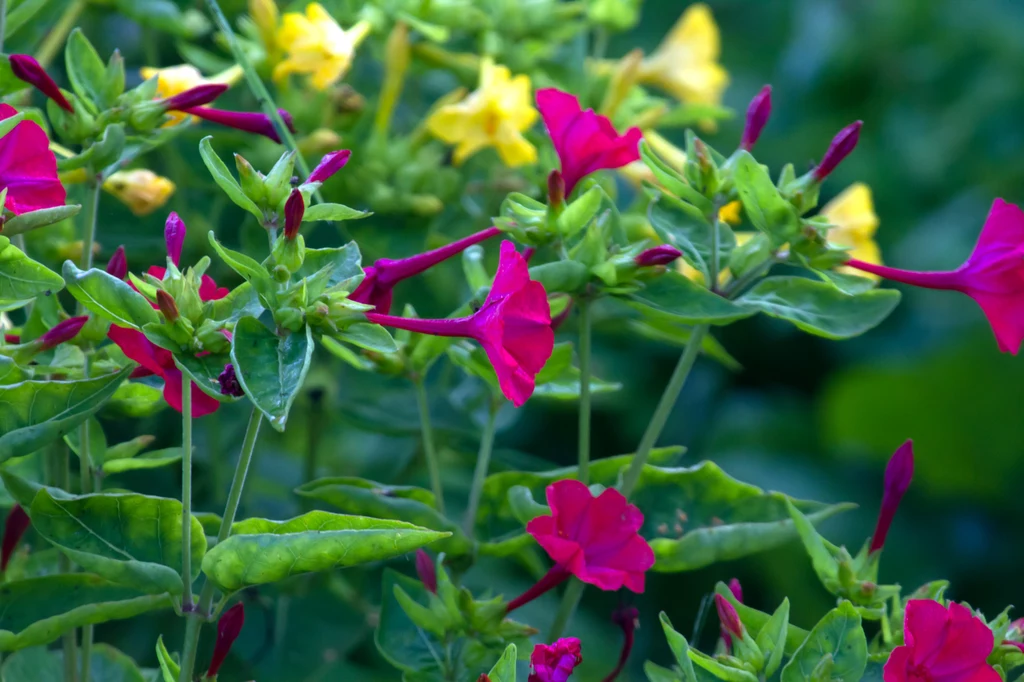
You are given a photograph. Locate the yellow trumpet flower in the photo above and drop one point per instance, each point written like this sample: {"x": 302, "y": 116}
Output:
{"x": 317, "y": 45}
{"x": 686, "y": 63}
{"x": 493, "y": 115}
{"x": 854, "y": 223}
{"x": 174, "y": 80}
{"x": 142, "y": 190}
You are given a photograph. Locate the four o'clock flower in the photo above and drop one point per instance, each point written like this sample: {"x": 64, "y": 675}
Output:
{"x": 686, "y": 62}
{"x": 730, "y": 620}
{"x": 195, "y": 97}
{"x": 250, "y": 122}
{"x": 555, "y": 662}
{"x": 14, "y": 527}
{"x": 117, "y": 266}
{"x": 294, "y": 209}
{"x": 317, "y": 46}
{"x": 854, "y": 223}
{"x": 228, "y": 628}
{"x": 942, "y": 644}
{"x": 28, "y": 169}
{"x": 380, "y": 278}
{"x": 993, "y": 275}
{"x": 898, "y": 474}
{"x": 658, "y": 255}
{"x": 585, "y": 141}
{"x": 142, "y": 190}
{"x": 513, "y": 326}
{"x": 426, "y": 570}
{"x": 727, "y": 632}
{"x": 842, "y": 144}
{"x": 26, "y": 68}
{"x": 757, "y": 117}
{"x": 65, "y": 330}
{"x": 329, "y": 165}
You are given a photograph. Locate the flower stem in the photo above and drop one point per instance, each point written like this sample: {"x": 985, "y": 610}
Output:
{"x": 3, "y": 22}
{"x": 58, "y": 475}
{"x": 570, "y": 600}
{"x": 664, "y": 409}
{"x": 428, "y": 444}
{"x": 186, "y": 492}
{"x": 313, "y": 431}
{"x": 483, "y": 461}
{"x": 584, "y": 416}
{"x": 59, "y": 33}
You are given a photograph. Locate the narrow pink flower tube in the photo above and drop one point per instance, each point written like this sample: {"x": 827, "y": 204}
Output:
{"x": 26, "y": 68}
{"x": 329, "y": 165}
{"x": 195, "y": 97}
{"x": 65, "y": 330}
{"x": 14, "y": 527}
{"x": 250, "y": 122}
{"x": 898, "y": 474}
{"x": 757, "y": 117}
{"x": 294, "y": 209}
{"x": 228, "y": 628}
{"x": 555, "y": 662}
{"x": 658, "y": 255}
{"x": 842, "y": 144}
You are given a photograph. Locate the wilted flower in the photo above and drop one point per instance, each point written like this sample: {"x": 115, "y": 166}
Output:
{"x": 228, "y": 381}
{"x": 26, "y": 68}
{"x": 228, "y": 628}
{"x": 555, "y": 662}
{"x": 317, "y": 45}
{"x": 897, "y": 479}
{"x": 28, "y": 169}
{"x": 142, "y": 190}
{"x": 686, "y": 63}
{"x": 854, "y": 223}
{"x": 947, "y": 644}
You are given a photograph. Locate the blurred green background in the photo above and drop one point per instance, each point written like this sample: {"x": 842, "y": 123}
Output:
{"x": 939, "y": 85}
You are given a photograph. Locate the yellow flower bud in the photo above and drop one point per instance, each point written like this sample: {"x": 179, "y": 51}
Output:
{"x": 142, "y": 190}
{"x": 317, "y": 46}
{"x": 854, "y": 223}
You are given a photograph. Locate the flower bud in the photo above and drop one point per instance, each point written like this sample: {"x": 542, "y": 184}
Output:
{"x": 174, "y": 236}
{"x": 757, "y": 116}
{"x": 728, "y": 617}
{"x": 64, "y": 330}
{"x": 249, "y": 121}
{"x": 167, "y": 306}
{"x": 294, "y": 208}
{"x": 15, "y": 526}
{"x": 329, "y": 165}
{"x": 658, "y": 255}
{"x": 228, "y": 381}
{"x": 26, "y": 68}
{"x": 426, "y": 571}
{"x": 898, "y": 474}
{"x": 556, "y": 190}
{"x": 117, "y": 266}
{"x": 228, "y": 628}
{"x": 195, "y": 97}
{"x": 842, "y": 144}
{"x": 736, "y": 589}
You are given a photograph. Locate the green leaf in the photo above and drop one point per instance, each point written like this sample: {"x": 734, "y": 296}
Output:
{"x": 150, "y": 460}
{"x": 399, "y": 640}
{"x": 763, "y": 204}
{"x": 10, "y": 372}
{"x": 402, "y": 503}
{"x": 839, "y": 635}
{"x": 32, "y": 220}
{"x": 34, "y": 664}
{"x": 656, "y": 673}
{"x": 357, "y": 360}
{"x": 21, "y": 15}
{"x": 680, "y": 649}
{"x": 756, "y": 621}
{"x": 204, "y": 370}
{"x": 818, "y": 307}
{"x": 110, "y": 665}
{"x": 578, "y": 214}
{"x": 242, "y": 301}
{"x": 39, "y": 610}
{"x": 771, "y": 640}
{"x": 674, "y": 296}
{"x": 668, "y": 331}
{"x": 271, "y": 369}
{"x": 225, "y": 180}
{"x": 505, "y": 669}
{"x": 136, "y": 400}
{"x": 369, "y": 336}
{"x": 109, "y": 297}
{"x": 260, "y": 551}
{"x": 345, "y": 261}
{"x": 38, "y": 413}
{"x": 686, "y": 228}
{"x": 169, "y": 668}
{"x": 129, "y": 539}
{"x": 672, "y": 179}
{"x": 97, "y": 440}
{"x": 719, "y": 669}
{"x": 22, "y": 279}
{"x": 826, "y": 566}
{"x": 85, "y": 69}
{"x": 250, "y": 270}
{"x": 332, "y": 212}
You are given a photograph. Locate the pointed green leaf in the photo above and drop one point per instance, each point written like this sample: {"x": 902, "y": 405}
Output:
{"x": 271, "y": 369}
{"x": 755, "y": 620}
{"x": 399, "y": 640}
{"x": 224, "y": 179}
{"x": 109, "y": 297}
{"x": 825, "y": 563}
{"x": 680, "y": 648}
{"x": 719, "y": 669}
{"x": 771, "y": 640}
{"x": 332, "y": 212}
{"x": 136, "y": 400}
{"x": 369, "y": 336}
{"x": 242, "y": 301}
{"x": 261, "y": 551}
{"x": 656, "y": 673}
{"x": 22, "y": 279}
{"x": 505, "y": 669}
{"x": 129, "y": 539}
{"x": 169, "y": 668}
{"x": 85, "y": 69}
{"x": 32, "y": 220}
{"x": 345, "y": 262}
{"x": 762, "y": 202}
{"x": 21, "y": 15}
{"x": 839, "y": 635}
{"x": 248, "y": 268}
{"x": 675, "y": 296}
{"x": 35, "y": 664}
{"x": 149, "y": 460}
{"x": 37, "y": 413}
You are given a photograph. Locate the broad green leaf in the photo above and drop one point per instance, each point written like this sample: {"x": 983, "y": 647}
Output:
{"x": 332, "y": 212}
{"x": 680, "y": 649}
{"x": 129, "y": 539}
{"x": 756, "y": 621}
{"x": 719, "y": 669}
{"x": 23, "y": 490}
{"x": 399, "y": 640}
{"x": 39, "y": 610}
{"x": 97, "y": 440}
{"x": 37, "y": 413}
{"x": 169, "y": 668}
{"x": 110, "y": 665}
{"x": 21, "y": 15}
{"x": 32, "y": 220}
{"x": 818, "y": 307}
{"x": 771, "y": 640}
{"x": 342, "y": 352}
{"x": 369, "y": 336}
{"x": 34, "y": 664}
{"x": 656, "y": 673}
{"x": 22, "y": 279}
{"x": 225, "y": 180}
{"x": 505, "y": 669}
{"x": 11, "y": 373}
{"x": 204, "y": 370}
{"x": 839, "y": 635}
{"x": 762, "y": 202}
{"x": 345, "y": 262}
{"x": 136, "y": 400}
{"x": 149, "y": 460}
{"x": 377, "y": 500}
{"x": 260, "y": 551}
{"x": 271, "y": 369}
{"x": 242, "y": 301}
{"x": 85, "y": 69}
{"x": 109, "y": 297}
{"x": 686, "y": 228}
{"x": 675, "y": 296}
{"x": 845, "y": 282}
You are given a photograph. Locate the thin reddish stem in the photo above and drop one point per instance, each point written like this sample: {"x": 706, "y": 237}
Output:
{"x": 390, "y": 272}
{"x": 930, "y": 280}
{"x": 448, "y": 327}
{"x": 552, "y": 579}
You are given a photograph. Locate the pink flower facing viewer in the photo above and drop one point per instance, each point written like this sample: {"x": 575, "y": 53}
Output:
{"x": 14, "y": 527}
{"x": 160, "y": 361}
{"x": 28, "y": 169}
{"x": 379, "y": 279}
{"x": 585, "y": 141}
{"x": 228, "y": 628}
{"x": 993, "y": 275}
{"x": 513, "y": 326}
{"x": 26, "y": 68}
{"x": 594, "y": 538}
{"x": 941, "y": 645}
{"x": 555, "y": 662}
{"x": 248, "y": 121}
{"x": 898, "y": 473}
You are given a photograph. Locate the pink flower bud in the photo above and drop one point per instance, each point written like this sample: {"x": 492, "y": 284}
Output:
{"x": 65, "y": 330}
{"x": 728, "y": 617}
{"x": 556, "y": 189}
{"x": 250, "y": 122}
{"x": 426, "y": 571}
{"x": 26, "y": 68}
{"x": 757, "y": 117}
{"x": 294, "y": 208}
{"x": 167, "y": 306}
{"x": 174, "y": 236}
{"x": 736, "y": 589}
{"x": 842, "y": 144}
{"x": 15, "y": 526}
{"x": 117, "y": 266}
{"x": 228, "y": 628}
{"x": 195, "y": 97}
{"x": 898, "y": 474}
{"x": 659, "y": 255}
{"x": 12, "y": 338}
{"x": 329, "y": 165}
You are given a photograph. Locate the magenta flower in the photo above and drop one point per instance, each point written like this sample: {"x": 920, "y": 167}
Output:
{"x": 174, "y": 236}
{"x": 380, "y": 279}
{"x": 330, "y": 164}
{"x": 555, "y": 662}
{"x": 248, "y": 121}
{"x": 898, "y": 473}
{"x": 941, "y": 645}
{"x": 65, "y": 330}
{"x": 513, "y": 326}
{"x": 757, "y": 117}
{"x": 727, "y": 632}
{"x": 728, "y": 617}
{"x": 195, "y": 97}
{"x": 842, "y": 144}
{"x": 294, "y": 209}
{"x": 658, "y": 255}
{"x": 14, "y": 527}
{"x": 627, "y": 618}
{"x": 585, "y": 141}
{"x": 26, "y": 68}
{"x": 426, "y": 570}
{"x": 28, "y": 169}
{"x": 228, "y": 628}
{"x": 993, "y": 275}
{"x": 117, "y": 266}
{"x": 736, "y": 589}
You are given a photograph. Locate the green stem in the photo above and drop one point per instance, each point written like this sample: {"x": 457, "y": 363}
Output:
{"x": 428, "y": 444}
{"x": 70, "y": 656}
{"x": 570, "y": 600}
{"x": 664, "y": 409}
{"x": 313, "y": 431}
{"x": 713, "y": 264}
{"x": 89, "y": 213}
{"x": 584, "y": 418}
{"x": 483, "y": 462}
{"x": 186, "y": 492}
{"x": 59, "y": 33}
{"x": 3, "y": 22}
{"x": 60, "y": 476}
{"x": 193, "y": 626}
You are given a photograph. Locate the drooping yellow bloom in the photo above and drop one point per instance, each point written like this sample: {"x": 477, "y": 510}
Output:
{"x": 697, "y": 276}
{"x": 732, "y": 213}
{"x": 852, "y": 214}
{"x": 317, "y": 45}
{"x": 142, "y": 190}
{"x": 174, "y": 80}
{"x": 686, "y": 63}
{"x": 493, "y": 115}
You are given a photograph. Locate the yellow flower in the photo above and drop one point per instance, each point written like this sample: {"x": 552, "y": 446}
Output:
{"x": 854, "y": 223}
{"x": 694, "y": 274}
{"x": 264, "y": 15}
{"x": 174, "y": 80}
{"x": 686, "y": 63}
{"x": 142, "y": 190}
{"x": 317, "y": 45}
{"x": 493, "y": 115}
{"x": 732, "y": 213}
